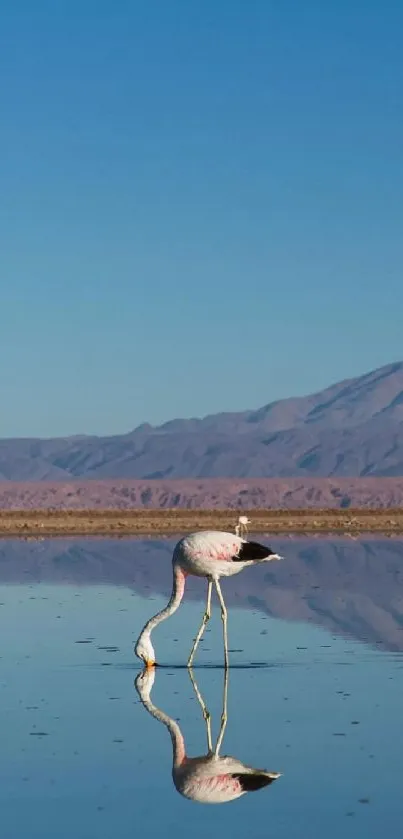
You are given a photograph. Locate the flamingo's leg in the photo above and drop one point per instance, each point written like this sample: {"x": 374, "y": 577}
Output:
{"x": 206, "y": 618}
{"x": 206, "y": 713}
{"x": 224, "y": 621}
{"x": 224, "y": 715}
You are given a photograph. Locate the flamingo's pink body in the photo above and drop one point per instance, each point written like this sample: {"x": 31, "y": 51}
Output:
{"x": 211, "y": 554}
{"x": 216, "y": 780}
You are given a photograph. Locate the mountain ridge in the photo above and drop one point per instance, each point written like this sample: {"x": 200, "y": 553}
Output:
{"x": 353, "y": 428}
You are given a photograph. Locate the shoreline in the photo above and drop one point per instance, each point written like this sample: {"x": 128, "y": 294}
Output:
{"x": 115, "y": 522}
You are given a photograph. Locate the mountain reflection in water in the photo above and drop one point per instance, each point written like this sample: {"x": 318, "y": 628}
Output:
{"x": 352, "y": 588}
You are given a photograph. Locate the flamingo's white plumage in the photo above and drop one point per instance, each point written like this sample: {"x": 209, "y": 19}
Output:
{"x": 208, "y": 779}
{"x": 211, "y": 554}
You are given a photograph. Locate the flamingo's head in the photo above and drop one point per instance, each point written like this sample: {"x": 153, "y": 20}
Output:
{"x": 145, "y": 650}
{"x": 144, "y": 682}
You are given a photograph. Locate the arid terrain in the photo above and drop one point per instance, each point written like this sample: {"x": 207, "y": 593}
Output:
{"x": 41, "y": 523}
{"x": 203, "y": 494}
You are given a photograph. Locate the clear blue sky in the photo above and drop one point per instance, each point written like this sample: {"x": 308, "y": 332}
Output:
{"x": 201, "y": 205}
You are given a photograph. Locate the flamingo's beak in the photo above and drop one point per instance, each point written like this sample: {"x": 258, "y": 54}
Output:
{"x": 150, "y": 664}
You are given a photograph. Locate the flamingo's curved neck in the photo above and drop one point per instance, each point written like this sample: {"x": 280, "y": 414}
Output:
{"x": 173, "y": 604}
{"x": 178, "y": 743}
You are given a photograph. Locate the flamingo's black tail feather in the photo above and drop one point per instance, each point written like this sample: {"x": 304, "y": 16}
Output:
{"x": 250, "y": 782}
{"x": 252, "y": 552}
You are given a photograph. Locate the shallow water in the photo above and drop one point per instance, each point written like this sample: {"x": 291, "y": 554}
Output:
{"x": 314, "y": 691}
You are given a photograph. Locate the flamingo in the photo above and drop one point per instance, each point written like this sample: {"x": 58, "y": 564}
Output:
{"x": 211, "y": 554}
{"x": 208, "y": 779}
{"x": 241, "y": 528}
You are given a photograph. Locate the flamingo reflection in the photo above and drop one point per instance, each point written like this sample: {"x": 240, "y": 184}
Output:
{"x": 210, "y": 778}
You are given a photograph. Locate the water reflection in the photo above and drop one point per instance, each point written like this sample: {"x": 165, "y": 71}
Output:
{"x": 80, "y": 755}
{"x": 208, "y": 778}
{"x": 352, "y": 588}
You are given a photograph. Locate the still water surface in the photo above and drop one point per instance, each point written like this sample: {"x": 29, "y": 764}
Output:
{"x": 314, "y": 691}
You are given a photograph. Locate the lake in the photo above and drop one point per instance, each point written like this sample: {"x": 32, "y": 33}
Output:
{"x": 314, "y": 691}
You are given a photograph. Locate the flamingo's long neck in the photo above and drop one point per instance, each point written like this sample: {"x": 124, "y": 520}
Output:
{"x": 178, "y": 743}
{"x": 173, "y": 604}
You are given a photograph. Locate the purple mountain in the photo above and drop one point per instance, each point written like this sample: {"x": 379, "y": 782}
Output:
{"x": 353, "y": 428}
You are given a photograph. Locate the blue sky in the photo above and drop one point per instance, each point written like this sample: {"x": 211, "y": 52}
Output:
{"x": 201, "y": 205}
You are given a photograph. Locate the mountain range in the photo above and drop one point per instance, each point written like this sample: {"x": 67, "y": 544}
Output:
{"x": 351, "y": 429}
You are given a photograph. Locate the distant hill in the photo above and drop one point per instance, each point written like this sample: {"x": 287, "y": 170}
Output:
{"x": 205, "y": 493}
{"x": 351, "y": 429}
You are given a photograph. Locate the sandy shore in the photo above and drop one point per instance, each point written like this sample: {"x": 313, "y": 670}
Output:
{"x": 42, "y": 523}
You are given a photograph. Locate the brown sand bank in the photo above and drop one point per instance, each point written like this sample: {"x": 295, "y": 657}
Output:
{"x": 98, "y": 522}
